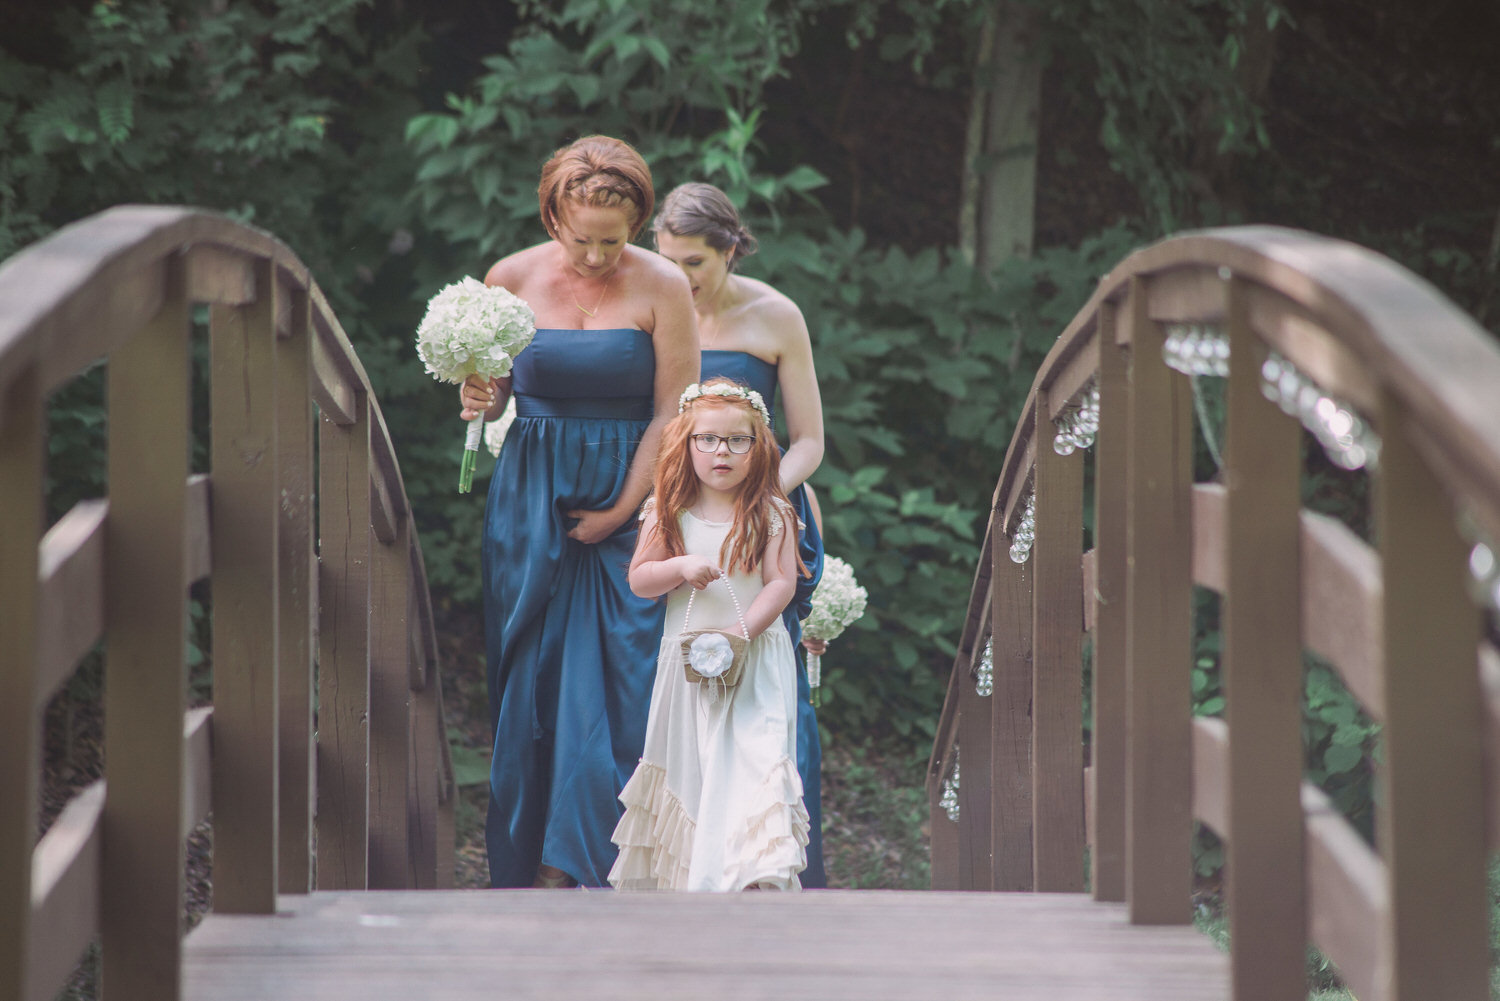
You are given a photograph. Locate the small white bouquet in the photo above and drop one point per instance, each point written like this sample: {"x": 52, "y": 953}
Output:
{"x": 836, "y": 602}
{"x": 473, "y": 329}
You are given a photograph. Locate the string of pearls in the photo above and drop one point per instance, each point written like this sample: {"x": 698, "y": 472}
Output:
{"x": 984, "y": 676}
{"x": 1077, "y": 426}
{"x": 1347, "y": 439}
{"x": 1196, "y": 349}
{"x": 1020, "y": 546}
{"x": 949, "y": 799}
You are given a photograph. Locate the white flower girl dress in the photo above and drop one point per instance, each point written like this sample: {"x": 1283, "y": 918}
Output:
{"x": 716, "y": 802}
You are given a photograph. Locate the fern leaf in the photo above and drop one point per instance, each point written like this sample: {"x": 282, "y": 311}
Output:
{"x": 116, "y": 107}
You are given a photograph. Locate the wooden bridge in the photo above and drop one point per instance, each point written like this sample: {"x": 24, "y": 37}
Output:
{"x": 323, "y": 760}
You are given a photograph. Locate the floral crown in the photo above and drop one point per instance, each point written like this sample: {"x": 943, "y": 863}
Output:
{"x": 697, "y": 391}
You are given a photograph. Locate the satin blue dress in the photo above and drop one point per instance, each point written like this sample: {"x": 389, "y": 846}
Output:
{"x": 570, "y": 651}
{"x": 761, "y": 376}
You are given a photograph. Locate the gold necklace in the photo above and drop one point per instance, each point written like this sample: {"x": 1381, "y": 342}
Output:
{"x": 590, "y": 313}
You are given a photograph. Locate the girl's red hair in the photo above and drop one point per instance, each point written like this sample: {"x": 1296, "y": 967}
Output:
{"x": 676, "y": 486}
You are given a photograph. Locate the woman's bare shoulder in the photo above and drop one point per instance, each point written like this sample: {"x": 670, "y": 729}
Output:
{"x": 771, "y": 308}
{"x": 767, "y": 298}
{"x": 652, "y": 269}
{"x": 513, "y": 270}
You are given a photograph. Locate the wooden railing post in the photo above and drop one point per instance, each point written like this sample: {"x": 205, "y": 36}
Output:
{"x": 344, "y": 650}
{"x": 975, "y": 865}
{"x": 1107, "y": 748}
{"x": 1158, "y": 771}
{"x": 22, "y": 451}
{"x": 390, "y": 711}
{"x": 145, "y": 690}
{"x": 246, "y": 506}
{"x": 298, "y": 599}
{"x": 1010, "y": 718}
{"x": 944, "y": 841}
{"x": 1431, "y": 825}
{"x": 431, "y": 857}
{"x": 1262, "y": 679}
{"x": 1057, "y": 676}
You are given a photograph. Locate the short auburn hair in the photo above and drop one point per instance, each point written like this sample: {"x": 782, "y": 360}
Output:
{"x": 599, "y": 171}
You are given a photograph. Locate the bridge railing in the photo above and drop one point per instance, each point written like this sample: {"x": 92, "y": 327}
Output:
{"x": 323, "y": 758}
{"x": 1307, "y": 333}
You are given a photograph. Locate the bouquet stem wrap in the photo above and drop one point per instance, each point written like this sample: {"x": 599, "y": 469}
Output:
{"x": 815, "y": 678}
{"x": 473, "y": 329}
{"x": 471, "y": 454}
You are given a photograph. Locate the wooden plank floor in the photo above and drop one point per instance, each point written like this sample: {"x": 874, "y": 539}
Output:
{"x": 823, "y": 946}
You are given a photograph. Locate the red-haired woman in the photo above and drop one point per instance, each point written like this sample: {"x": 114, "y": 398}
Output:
{"x": 569, "y": 649}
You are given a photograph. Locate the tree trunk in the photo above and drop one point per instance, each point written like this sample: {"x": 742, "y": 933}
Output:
{"x": 999, "y": 182}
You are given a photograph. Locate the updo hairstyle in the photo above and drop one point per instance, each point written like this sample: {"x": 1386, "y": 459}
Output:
{"x": 697, "y": 209}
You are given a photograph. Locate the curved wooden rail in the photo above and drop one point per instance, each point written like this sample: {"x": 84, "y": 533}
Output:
{"x": 1405, "y": 920}
{"x": 328, "y": 763}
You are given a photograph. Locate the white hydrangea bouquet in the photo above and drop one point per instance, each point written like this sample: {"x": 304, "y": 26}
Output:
{"x": 473, "y": 329}
{"x": 837, "y": 601}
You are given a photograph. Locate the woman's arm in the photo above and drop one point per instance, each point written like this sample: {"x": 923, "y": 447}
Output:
{"x": 778, "y": 574}
{"x": 675, "y": 343}
{"x": 801, "y": 401}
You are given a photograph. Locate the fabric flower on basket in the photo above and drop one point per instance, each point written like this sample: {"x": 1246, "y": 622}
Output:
{"x": 837, "y": 601}
{"x": 710, "y": 654}
{"x": 495, "y": 430}
{"x": 473, "y": 329}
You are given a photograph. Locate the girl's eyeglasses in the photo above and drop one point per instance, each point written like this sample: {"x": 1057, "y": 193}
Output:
{"x": 739, "y": 444}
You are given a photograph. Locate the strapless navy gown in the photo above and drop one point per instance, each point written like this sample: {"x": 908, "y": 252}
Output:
{"x": 761, "y": 376}
{"x": 570, "y": 651}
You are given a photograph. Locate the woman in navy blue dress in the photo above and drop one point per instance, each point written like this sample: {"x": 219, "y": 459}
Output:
{"x": 755, "y": 335}
{"x": 570, "y": 651}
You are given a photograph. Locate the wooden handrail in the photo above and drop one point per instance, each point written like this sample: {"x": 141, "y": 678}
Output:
{"x": 119, "y": 288}
{"x": 1393, "y": 618}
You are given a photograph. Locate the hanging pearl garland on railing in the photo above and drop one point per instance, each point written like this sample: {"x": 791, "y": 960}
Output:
{"x": 949, "y": 800}
{"x": 1349, "y": 442}
{"x": 984, "y": 677}
{"x": 1077, "y": 426}
{"x": 1020, "y": 546}
{"x": 1196, "y": 349}
{"x": 1484, "y": 575}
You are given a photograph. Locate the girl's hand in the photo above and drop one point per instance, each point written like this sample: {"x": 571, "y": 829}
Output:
{"x": 594, "y": 527}
{"x": 697, "y": 571}
{"x": 818, "y": 647}
{"x": 478, "y": 395}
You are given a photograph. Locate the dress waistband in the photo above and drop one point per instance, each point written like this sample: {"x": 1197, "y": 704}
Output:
{"x": 621, "y": 408}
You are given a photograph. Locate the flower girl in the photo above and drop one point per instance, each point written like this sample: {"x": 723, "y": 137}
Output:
{"x": 716, "y": 803}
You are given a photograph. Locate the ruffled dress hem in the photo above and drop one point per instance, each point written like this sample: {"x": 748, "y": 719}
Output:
{"x": 656, "y": 835}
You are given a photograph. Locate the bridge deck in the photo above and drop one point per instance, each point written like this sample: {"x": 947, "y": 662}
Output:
{"x": 830, "y": 945}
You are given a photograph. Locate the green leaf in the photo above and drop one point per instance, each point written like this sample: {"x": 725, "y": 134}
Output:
{"x": 1340, "y": 758}
{"x": 658, "y": 51}
{"x": 116, "y": 112}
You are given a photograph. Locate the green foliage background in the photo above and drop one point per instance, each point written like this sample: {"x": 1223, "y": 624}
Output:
{"x": 396, "y": 148}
